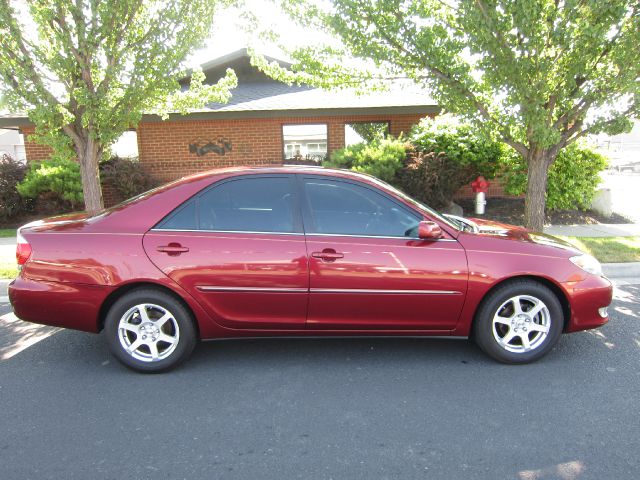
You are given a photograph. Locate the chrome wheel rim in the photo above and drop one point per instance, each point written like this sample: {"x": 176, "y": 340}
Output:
{"x": 148, "y": 332}
{"x": 521, "y": 324}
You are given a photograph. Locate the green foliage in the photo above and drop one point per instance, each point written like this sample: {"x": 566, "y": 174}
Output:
{"x": 55, "y": 179}
{"x": 381, "y": 158}
{"x": 125, "y": 176}
{"x": 95, "y": 66}
{"x": 462, "y": 144}
{"x": 573, "y": 177}
{"x": 540, "y": 73}
{"x": 12, "y": 172}
{"x": 554, "y": 61}
{"x": 370, "y": 131}
{"x": 446, "y": 157}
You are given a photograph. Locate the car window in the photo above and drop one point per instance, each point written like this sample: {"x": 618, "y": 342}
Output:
{"x": 345, "y": 208}
{"x": 260, "y": 204}
{"x": 182, "y": 219}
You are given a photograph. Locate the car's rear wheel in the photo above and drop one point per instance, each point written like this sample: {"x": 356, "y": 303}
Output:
{"x": 149, "y": 330}
{"x": 519, "y": 322}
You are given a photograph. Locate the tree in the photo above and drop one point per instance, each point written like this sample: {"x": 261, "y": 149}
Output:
{"x": 538, "y": 73}
{"x": 370, "y": 131}
{"x": 86, "y": 70}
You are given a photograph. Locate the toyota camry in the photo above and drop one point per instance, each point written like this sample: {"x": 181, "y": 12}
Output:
{"x": 299, "y": 251}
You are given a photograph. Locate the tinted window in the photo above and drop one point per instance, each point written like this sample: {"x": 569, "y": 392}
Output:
{"x": 251, "y": 205}
{"x": 183, "y": 219}
{"x": 348, "y": 209}
{"x": 261, "y": 204}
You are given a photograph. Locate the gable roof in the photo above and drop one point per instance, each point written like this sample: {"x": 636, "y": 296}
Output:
{"x": 259, "y": 96}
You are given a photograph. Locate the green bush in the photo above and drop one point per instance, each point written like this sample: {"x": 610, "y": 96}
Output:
{"x": 11, "y": 203}
{"x": 56, "y": 183}
{"x": 125, "y": 176}
{"x": 446, "y": 156}
{"x": 462, "y": 144}
{"x": 573, "y": 177}
{"x": 381, "y": 158}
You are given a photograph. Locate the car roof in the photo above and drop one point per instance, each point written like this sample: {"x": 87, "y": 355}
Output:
{"x": 276, "y": 169}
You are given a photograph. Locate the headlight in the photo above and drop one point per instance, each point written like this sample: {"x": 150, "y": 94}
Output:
{"x": 587, "y": 263}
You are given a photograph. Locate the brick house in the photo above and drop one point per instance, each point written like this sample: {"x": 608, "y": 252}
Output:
{"x": 266, "y": 122}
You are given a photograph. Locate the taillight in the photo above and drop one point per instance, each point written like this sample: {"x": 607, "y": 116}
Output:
{"x": 23, "y": 250}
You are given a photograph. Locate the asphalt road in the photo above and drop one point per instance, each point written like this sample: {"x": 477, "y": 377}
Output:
{"x": 328, "y": 409}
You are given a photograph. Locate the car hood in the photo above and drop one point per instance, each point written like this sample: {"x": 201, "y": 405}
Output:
{"x": 489, "y": 228}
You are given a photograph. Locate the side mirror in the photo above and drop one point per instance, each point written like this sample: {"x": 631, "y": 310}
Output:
{"x": 429, "y": 230}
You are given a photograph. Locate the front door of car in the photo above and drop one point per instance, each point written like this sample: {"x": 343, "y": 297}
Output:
{"x": 367, "y": 268}
{"x": 238, "y": 248}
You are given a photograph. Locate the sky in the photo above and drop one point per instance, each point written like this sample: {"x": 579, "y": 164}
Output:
{"x": 230, "y": 34}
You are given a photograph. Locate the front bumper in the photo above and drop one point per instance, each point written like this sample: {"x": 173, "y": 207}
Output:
{"x": 66, "y": 305}
{"x": 586, "y": 298}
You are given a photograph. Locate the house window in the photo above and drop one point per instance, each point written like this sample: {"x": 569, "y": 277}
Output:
{"x": 306, "y": 144}
{"x": 359, "y": 132}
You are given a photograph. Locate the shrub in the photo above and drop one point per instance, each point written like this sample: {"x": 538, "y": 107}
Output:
{"x": 125, "y": 176}
{"x": 573, "y": 177}
{"x": 433, "y": 178}
{"x": 446, "y": 156}
{"x": 54, "y": 184}
{"x": 381, "y": 158}
{"x": 12, "y": 172}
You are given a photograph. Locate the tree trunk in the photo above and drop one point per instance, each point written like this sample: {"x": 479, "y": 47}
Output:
{"x": 88, "y": 156}
{"x": 534, "y": 205}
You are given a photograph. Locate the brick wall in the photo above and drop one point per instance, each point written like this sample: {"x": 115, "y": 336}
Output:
{"x": 33, "y": 150}
{"x": 495, "y": 190}
{"x": 164, "y": 146}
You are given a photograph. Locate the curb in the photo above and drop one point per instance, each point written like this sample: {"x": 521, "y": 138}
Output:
{"x": 624, "y": 270}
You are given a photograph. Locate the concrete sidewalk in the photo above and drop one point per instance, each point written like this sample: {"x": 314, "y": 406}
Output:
{"x": 597, "y": 230}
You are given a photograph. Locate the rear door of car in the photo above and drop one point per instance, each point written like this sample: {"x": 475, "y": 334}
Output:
{"x": 368, "y": 269}
{"x": 238, "y": 247}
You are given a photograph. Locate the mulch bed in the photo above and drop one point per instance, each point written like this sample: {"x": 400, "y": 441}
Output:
{"x": 511, "y": 210}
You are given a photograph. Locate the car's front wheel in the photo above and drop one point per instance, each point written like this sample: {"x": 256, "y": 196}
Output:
{"x": 149, "y": 331}
{"x": 519, "y": 322}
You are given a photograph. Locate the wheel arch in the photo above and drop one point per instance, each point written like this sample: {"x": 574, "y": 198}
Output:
{"x": 129, "y": 287}
{"x": 551, "y": 285}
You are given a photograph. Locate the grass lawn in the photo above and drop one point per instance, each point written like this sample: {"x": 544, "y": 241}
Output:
{"x": 7, "y": 232}
{"x": 8, "y": 270}
{"x": 609, "y": 249}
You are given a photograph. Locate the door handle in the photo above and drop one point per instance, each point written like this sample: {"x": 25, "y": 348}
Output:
{"x": 172, "y": 249}
{"x": 328, "y": 255}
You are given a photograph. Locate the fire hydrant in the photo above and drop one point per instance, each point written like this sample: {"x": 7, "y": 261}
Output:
{"x": 480, "y": 187}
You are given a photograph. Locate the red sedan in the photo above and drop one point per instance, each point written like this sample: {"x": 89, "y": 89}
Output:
{"x": 299, "y": 251}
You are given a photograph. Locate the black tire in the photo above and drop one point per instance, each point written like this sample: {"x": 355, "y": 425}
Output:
{"x": 505, "y": 340}
{"x": 153, "y": 315}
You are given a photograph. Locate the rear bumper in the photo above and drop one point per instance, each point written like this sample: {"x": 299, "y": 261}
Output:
{"x": 66, "y": 305}
{"x": 586, "y": 298}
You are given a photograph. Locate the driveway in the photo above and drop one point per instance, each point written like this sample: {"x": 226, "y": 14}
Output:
{"x": 323, "y": 409}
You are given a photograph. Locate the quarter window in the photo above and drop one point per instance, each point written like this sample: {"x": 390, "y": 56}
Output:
{"x": 345, "y": 208}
